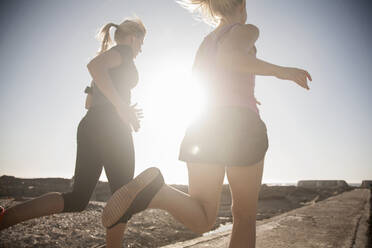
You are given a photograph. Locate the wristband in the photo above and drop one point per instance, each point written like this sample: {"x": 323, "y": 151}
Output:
{"x": 88, "y": 90}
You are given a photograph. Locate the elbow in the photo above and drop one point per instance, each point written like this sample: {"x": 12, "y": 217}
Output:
{"x": 95, "y": 69}
{"x": 95, "y": 66}
{"x": 91, "y": 66}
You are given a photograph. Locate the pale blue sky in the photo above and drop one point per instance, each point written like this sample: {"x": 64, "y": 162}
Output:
{"x": 324, "y": 133}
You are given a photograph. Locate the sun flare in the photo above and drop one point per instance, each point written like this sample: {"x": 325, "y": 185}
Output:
{"x": 174, "y": 95}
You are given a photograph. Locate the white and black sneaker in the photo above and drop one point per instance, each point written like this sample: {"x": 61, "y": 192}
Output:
{"x": 132, "y": 198}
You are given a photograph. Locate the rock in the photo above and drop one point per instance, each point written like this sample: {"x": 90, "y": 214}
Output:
{"x": 322, "y": 184}
{"x": 366, "y": 184}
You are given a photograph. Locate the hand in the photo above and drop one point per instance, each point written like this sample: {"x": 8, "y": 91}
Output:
{"x": 298, "y": 76}
{"x": 130, "y": 115}
{"x": 136, "y": 115}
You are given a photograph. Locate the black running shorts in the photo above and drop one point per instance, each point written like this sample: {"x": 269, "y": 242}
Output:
{"x": 226, "y": 136}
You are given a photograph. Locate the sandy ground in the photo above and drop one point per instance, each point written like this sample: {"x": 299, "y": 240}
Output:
{"x": 151, "y": 228}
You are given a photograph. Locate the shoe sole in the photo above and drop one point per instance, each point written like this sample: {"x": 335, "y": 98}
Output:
{"x": 122, "y": 199}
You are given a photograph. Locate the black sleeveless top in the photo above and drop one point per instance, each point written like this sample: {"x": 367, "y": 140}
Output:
{"x": 124, "y": 78}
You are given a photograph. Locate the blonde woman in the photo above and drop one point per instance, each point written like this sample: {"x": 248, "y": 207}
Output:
{"x": 104, "y": 138}
{"x": 229, "y": 137}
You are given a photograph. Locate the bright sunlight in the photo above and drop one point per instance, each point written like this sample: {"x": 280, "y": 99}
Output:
{"x": 173, "y": 95}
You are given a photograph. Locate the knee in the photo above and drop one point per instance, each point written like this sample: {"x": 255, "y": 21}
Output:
{"x": 244, "y": 213}
{"x": 74, "y": 202}
{"x": 205, "y": 224}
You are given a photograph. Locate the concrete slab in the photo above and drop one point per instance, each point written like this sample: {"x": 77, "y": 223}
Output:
{"x": 340, "y": 221}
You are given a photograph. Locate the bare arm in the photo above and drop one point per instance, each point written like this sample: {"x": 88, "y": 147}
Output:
{"x": 234, "y": 54}
{"x": 98, "y": 68}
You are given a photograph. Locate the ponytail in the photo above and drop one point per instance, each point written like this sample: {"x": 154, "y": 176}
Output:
{"x": 104, "y": 37}
{"x": 127, "y": 27}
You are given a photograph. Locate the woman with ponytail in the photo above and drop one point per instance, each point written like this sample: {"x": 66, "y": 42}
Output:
{"x": 229, "y": 137}
{"x": 104, "y": 138}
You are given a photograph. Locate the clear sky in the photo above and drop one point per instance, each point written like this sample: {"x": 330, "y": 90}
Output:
{"x": 324, "y": 133}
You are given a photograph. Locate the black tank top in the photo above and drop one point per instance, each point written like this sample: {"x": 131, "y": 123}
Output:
{"x": 124, "y": 78}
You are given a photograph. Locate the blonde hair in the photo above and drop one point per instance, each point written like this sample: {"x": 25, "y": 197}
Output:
{"x": 128, "y": 27}
{"x": 211, "y": 11}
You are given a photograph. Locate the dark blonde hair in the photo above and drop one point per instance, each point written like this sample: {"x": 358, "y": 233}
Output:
{"x": 128, "y": 27}
{"x": 211, "y": 11}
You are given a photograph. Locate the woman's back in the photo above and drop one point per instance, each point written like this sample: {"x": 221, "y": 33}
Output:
{"x": 225, "y": 87}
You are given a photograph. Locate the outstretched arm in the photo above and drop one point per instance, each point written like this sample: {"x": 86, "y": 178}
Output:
{"x": 234, "y": 54}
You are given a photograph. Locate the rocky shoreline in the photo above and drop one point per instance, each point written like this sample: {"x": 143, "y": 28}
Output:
{"x": 151, "y": 228}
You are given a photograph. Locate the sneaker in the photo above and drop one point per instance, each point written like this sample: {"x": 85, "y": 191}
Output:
{"x": 133, "y": 197}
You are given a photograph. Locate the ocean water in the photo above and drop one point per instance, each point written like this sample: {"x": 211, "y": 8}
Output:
{"x": 280, "y": 184}
{"x": 354, "y": 184}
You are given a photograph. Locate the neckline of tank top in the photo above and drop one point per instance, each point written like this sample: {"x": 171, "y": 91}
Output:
{"x": 127, "y": 48}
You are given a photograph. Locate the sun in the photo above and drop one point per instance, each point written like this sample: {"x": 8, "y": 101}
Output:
{"x": 173, "y": 97}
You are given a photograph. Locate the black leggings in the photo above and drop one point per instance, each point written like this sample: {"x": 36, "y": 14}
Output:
{"x": 103, "y": 141}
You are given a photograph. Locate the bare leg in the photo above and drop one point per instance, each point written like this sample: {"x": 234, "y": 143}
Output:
{"x": 198, "y": 209}
{"x": 245, "y": 183}
{"x": 115, "y": 235}
{"x": 50, "y": 203}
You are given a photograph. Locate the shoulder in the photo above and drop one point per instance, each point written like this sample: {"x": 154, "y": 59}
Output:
{"x": 242, "y": 36}
{"x": 125, "y": 51}
{"x": 245, "y": 31}
{"x": 108, "y": 59}
{"x": 113, "y": 57}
